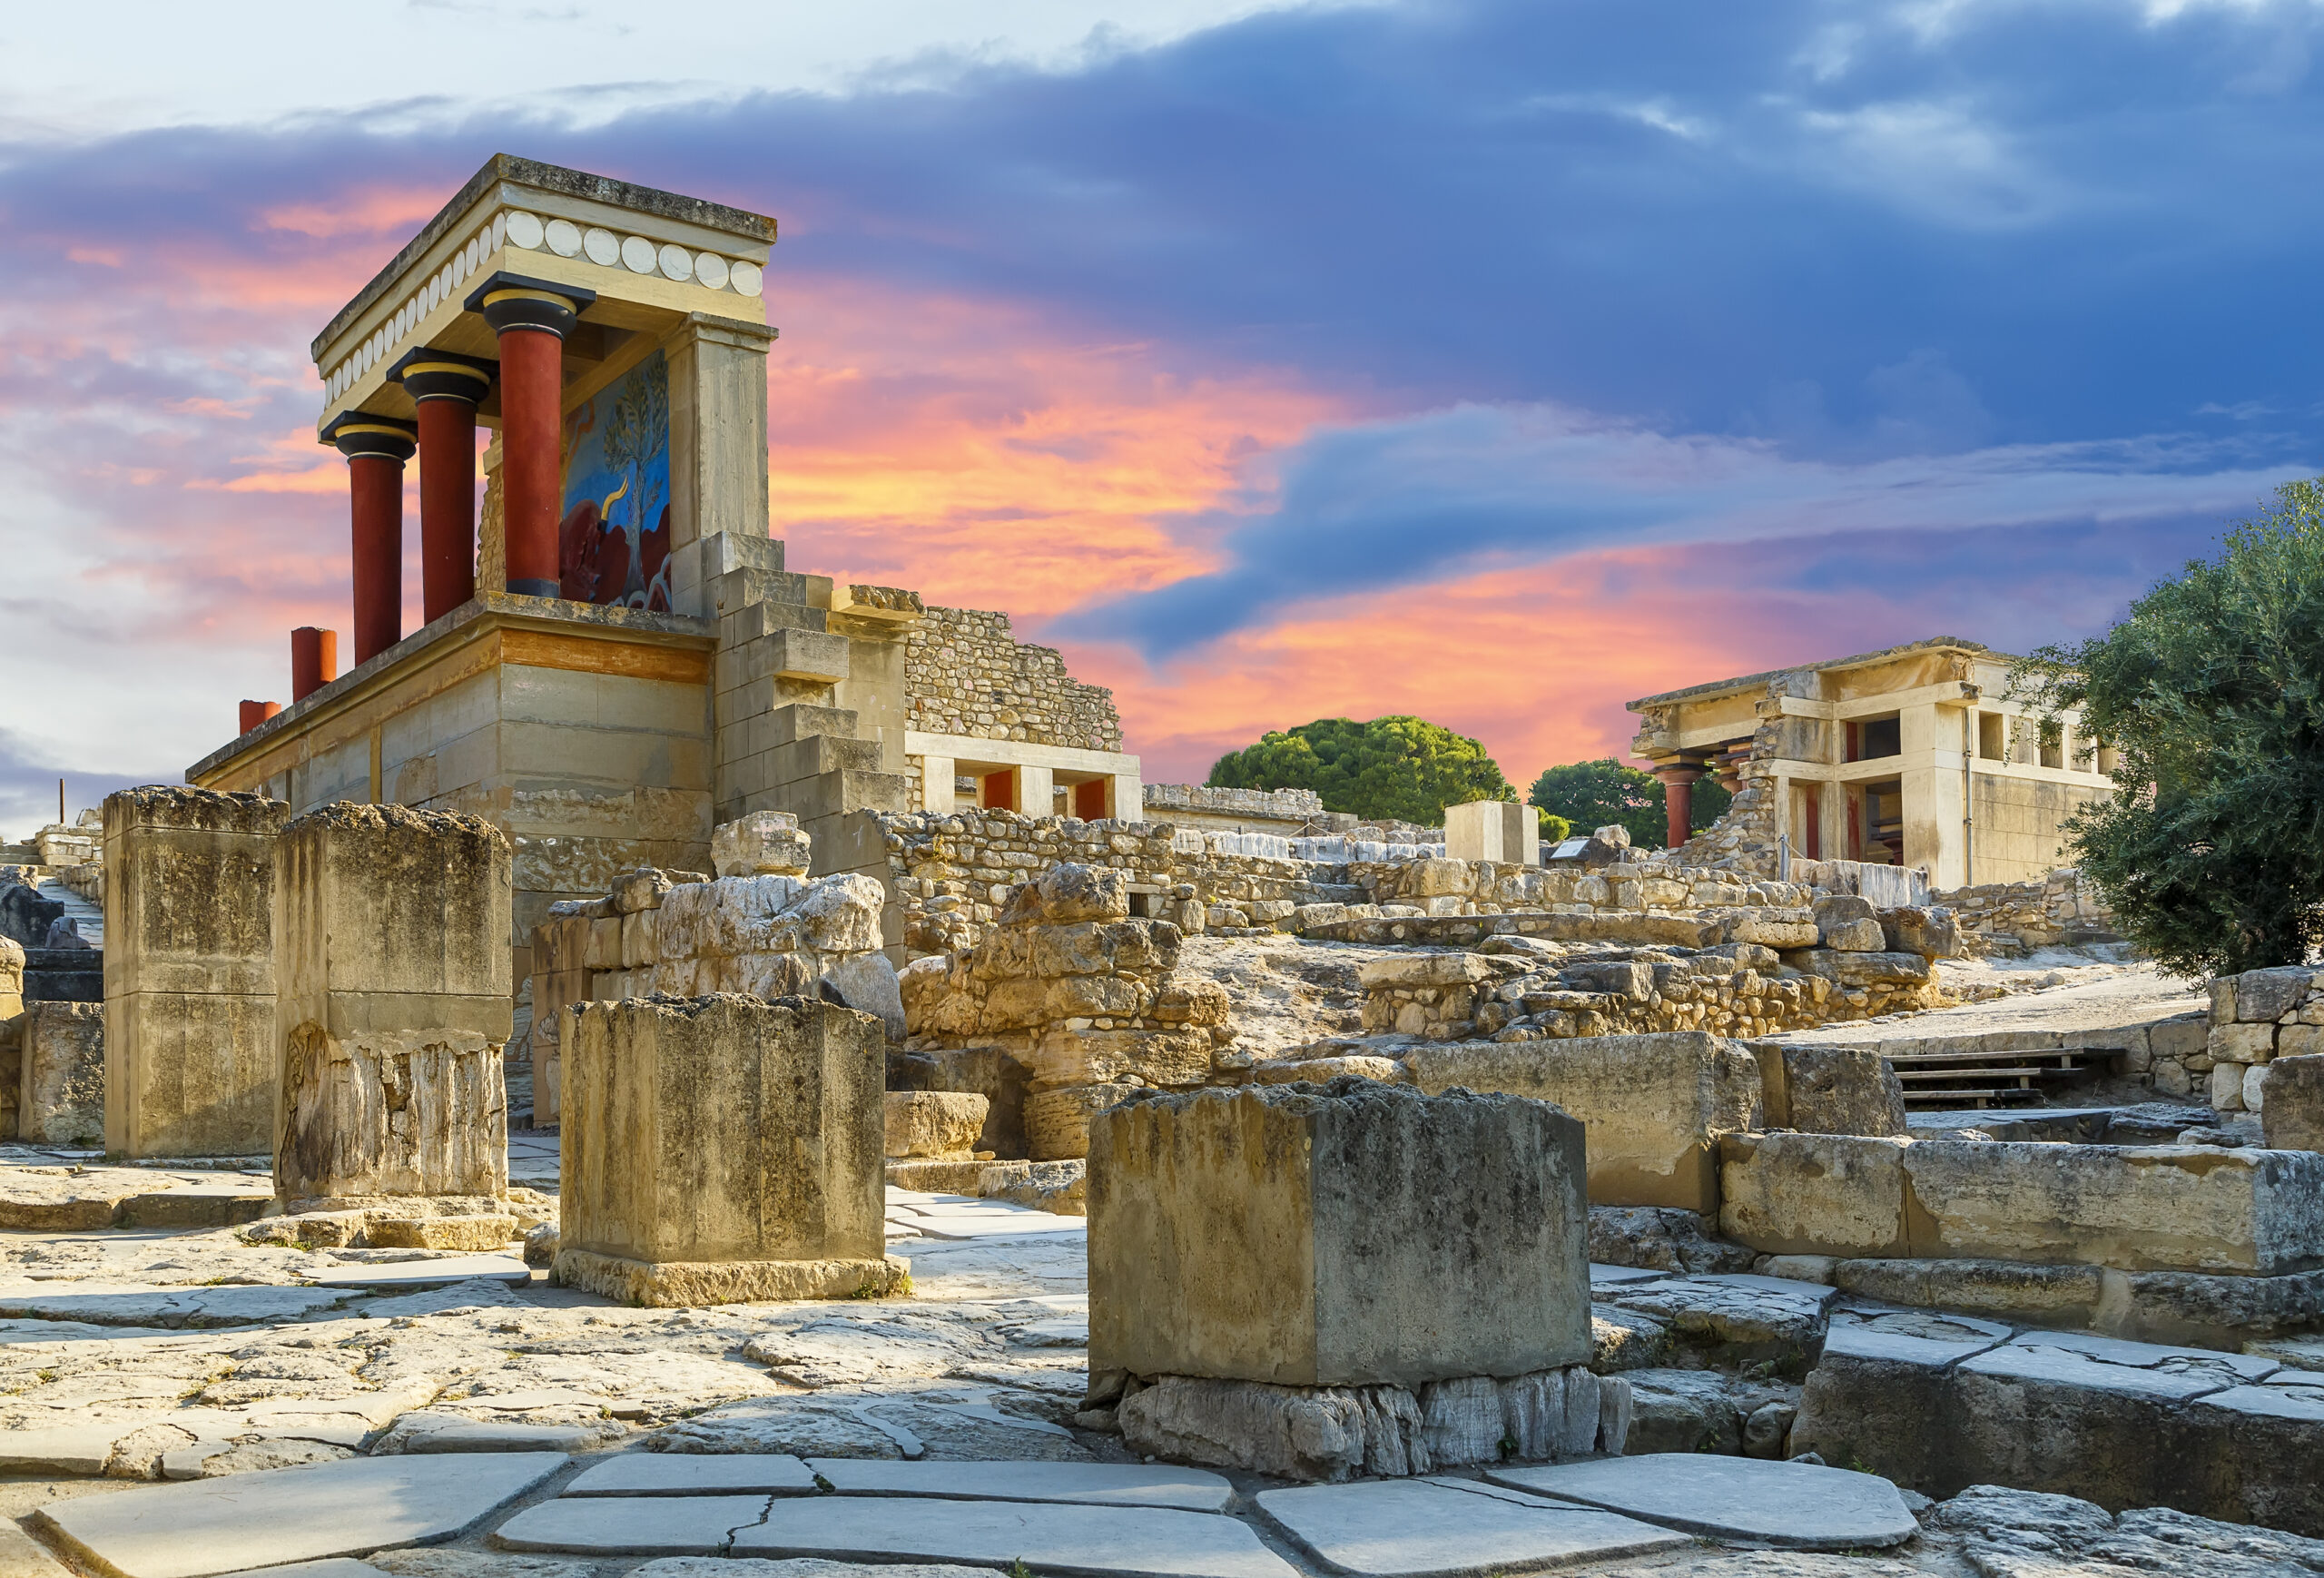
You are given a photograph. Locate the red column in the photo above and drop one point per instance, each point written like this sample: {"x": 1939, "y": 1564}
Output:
{"x": 1678, "y": 796}
{"x": 446, "y": 389}
{"x": 255, "y": 713}
{"x": 376, "y": 448}
{"x": 532, "y": 481}
{"x": 532, "y": 318}
{"x": 314, "y": 660}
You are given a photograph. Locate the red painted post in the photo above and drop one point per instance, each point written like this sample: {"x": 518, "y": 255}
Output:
{"x": 376, "y": 448}
{"x": 314, "y": 660}
{"x": 532, "y": 318}
{"x": 255, "y": 713}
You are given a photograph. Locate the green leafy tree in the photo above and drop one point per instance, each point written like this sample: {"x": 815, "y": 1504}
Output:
{"x": 1554, "y": 829}
{"x": 1401, "y": 767}
{"x": 1594, "y": 794}
{"x": 2210, "y": 850}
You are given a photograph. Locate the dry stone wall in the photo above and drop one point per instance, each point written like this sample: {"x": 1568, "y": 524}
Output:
{"x": 2257, "y": 1017}
{"x": 965, "y": 675}
{"x": 2013, "y": 918}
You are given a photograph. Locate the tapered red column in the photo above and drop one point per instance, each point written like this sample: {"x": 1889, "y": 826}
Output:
{"x": 1678, "y": 795}
{"x": 532, "y": 318}
{"x": 447, "y": 389}
{"x": 314, "y": 660}
{"x": 376, "y": 448}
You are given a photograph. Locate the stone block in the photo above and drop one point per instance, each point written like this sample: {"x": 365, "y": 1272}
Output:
{"x": 1831, "y": 1090}
{"x": 1654, "y": 1105}
{"x": 1500, "y": 831}
{"x": 723, "y": 1147}
{"x": 1057, "y": 1122}
{"x": 641, "y": 890}
{"x": 2265, "y": 996}
{"x": 1863, "y": 936}
{"x": 190, "y": 981}
{"x": 393, "y": 1003}
{"x": 1861, "y": 968}
{"x": 2243, "y": 1043}
{"x": 61, "y": 1098}
{"x": 2134, "y": 1208}
{"x": 934, "y": 1125}
{"x": 1068, "y": 893}
{"x": 2292, "y": 1117}
{"x": 1933, "y": 934}
{"x": 1351, "y": 1234}
{"x": 1815, "y": 1194}
{"x": 1416, "y": 969}
{"x": 2227, "y": 1085}
{"x": 763, "y": 844}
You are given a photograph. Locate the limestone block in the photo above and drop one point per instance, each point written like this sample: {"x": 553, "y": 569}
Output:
{"x": 189, "y": 971}
{"x": 2265, "y": 996}
{"x": 1654, "y": 1105}
{"x": 641, "y": 890}
{"x": 1834, "y": 909}
{"x": 1853, "y": 936}
{"x": 2243, "y": 1043}
{"x": 2298, "y": 1041}
{"x": 1067, "y": 892}
{"x": 1358, "y": 1234}
{"x": 602, "y": 951}
{"x": 723, "y": 1147}
{"x": 12, "y": 977}
{"x": 1166, "y": 1058}
{"x": 1814, "y": 1194}
{"x": 935, "y": 1125}
{"x": 2227, "y": 1085}
{"x": 868, "y": 982}
{"x": 1415, "y": 969}
{"x": 2255, "y": 1087}
{"x": 1831, "y": 1090}
{"x": 1500, "y": 831}
{"x": 1932, "y": 933}
{"x": 1437, "y": 878}
{"x": 1133, "y": 947}
{"x": 392, "y": 978}
{"x": 2134, "y": 1208}
{"x": 1057, "y": 1122}
{"x": 61, "y": 1098}
{"x": 1861, "y": 968}
{"x": 2292, "y": 1117}
{"x": 764, "y": 843}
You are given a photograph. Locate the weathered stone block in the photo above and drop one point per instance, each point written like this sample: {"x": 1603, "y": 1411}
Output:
{"x": 1933, "y": 934}
{"x": 1416, "y": 969}
{"x": 1500, "y": 831}
{"x": 938, "y": 1124}
{"x": 1863, "y": 936}
{"x": 60, "y": 1100}
{"x": 2265, "y": 996}
{"x": 1654, "y": 1105}
{"x": 1068, "y": 893}
{"x": 1861, "y": 968}
{"x": 189, "y": 985}
{"x": 2134, "y": 1208}
{"x": 764, "y": 843}
{"x": 1814, "y": 1194}
{"x": 392, "y": 975}
{"x": 1057, "y": 1122}
{"x": 2292, "y": 1117}
{"x": 1348, "y": 1235}
{"x": 723, "y": 1147}
{"x": 1831, "y": 1090}
{"x": 2243, "y": 1043}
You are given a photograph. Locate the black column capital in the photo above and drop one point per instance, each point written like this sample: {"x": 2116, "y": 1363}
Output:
{"x": 521, "y": 301}
{"x": 354, "y": 433}
{"x": 443, "y": 375}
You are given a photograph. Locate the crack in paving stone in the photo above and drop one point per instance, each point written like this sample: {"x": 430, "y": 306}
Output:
{"x": 911, "y": 1446}
{"x": 726, "y": 1548}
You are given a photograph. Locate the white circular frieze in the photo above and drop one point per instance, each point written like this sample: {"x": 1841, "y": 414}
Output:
{"x": 564, "y": 237}
{"x": 748, "y": 280}
{"x": 603, "y": 247}
{"x": 500, "y": 229}
{"x": 524, "y": 230}
{"x": 637, "y": 254}
{"x": 677, "y": 263}
{"x": 711, "y": 270}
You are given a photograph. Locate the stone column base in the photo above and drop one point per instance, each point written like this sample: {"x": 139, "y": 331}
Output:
{"x": 669, "y": 1284}
{"x": 1331, "y": 1433}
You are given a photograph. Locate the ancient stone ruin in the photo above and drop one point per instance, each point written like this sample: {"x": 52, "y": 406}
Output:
{"x": 756, "y": 1041}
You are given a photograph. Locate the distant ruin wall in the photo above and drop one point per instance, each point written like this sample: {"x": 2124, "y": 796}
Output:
{"x": 2055, "y": 909}
{"x": 965, "y": 675}
{"x": 1285, "y": 811}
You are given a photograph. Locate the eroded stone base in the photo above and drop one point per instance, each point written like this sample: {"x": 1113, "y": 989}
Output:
{"x": 671, "y": 1283}
{"x": 1332, "y": 1432}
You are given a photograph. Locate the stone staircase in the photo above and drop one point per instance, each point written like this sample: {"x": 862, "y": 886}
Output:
{"x": 783, "y": 741}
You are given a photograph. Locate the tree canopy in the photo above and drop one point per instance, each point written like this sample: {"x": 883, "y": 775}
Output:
{"x": 1406, "y": 769}
{"x": 1594, "y": 794}
{"x": 2210, "y": 850}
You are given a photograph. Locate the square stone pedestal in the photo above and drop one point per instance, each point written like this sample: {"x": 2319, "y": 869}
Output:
{"x": 1345, "y": 1234}
{"x": 392, "y": 974}
{"x": 723, "y": 1148}
{"x": 190, "y": 1043}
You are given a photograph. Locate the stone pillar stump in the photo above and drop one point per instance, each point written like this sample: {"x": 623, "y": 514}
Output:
{"x": 723, "y": 1148}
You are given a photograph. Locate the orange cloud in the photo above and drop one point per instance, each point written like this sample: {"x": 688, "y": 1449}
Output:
{"x": 965, "y": 449}
{"x": 360, "y": 210}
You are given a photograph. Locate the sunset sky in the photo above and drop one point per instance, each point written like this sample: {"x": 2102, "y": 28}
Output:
{"x": 1497, "y": 362}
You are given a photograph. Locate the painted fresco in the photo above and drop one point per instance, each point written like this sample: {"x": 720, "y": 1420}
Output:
{"x": 612, "y": 545}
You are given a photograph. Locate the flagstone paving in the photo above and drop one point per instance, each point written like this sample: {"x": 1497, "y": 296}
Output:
{"x": 1795, "y": 1504}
